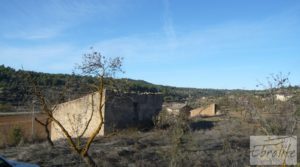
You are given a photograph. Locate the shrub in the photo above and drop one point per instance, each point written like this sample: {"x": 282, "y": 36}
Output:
{"x": 16, "y": 135}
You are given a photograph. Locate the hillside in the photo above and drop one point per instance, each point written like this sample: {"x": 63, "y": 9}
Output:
{"x": 15, "y": 95}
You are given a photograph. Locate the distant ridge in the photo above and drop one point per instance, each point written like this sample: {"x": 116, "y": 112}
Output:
{"x": 14, "y": 88}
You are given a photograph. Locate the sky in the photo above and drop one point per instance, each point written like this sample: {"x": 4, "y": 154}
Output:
{"x": 230, "y": 44}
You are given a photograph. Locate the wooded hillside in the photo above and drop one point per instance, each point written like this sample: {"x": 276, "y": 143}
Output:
{"x": 14, "y": 87}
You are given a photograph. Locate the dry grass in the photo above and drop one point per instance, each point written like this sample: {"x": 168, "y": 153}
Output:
{"x": 216, "y": 141}
{"x": 224, "y": 144}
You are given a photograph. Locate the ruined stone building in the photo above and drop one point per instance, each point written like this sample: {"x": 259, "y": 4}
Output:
{"x": 282, "y": 97}
{"x": 119, "y": 111}
{"x": 173, "y": 107}
{"x": 208, "y": 111}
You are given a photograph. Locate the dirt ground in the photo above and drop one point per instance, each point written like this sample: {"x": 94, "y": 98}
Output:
{"x": 218, "y": 141}
{"x": 207, "y": 143}
{"x": 13, "y": 126}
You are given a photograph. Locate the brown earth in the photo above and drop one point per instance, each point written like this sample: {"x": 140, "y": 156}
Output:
{"x": 15, "y": 128}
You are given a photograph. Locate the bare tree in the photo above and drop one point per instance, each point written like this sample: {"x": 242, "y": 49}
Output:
{"x": 276, "y": 117}
{"x": 96, "y": 65}
{"x": 37, "y": 92}
{"x": 46, "y": 126}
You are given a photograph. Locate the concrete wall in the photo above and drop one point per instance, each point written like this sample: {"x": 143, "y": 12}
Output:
{"x": 120, "y": 111}
{"x": 204, "y": 112}
{"x": 75, "y": 115}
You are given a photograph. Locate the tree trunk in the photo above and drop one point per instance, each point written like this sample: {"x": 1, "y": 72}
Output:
{"x": 49, "y": 138}
{"x": 48, "y": 121}
{"x": 48, "y": 132}
{"x": 89, "y": 161}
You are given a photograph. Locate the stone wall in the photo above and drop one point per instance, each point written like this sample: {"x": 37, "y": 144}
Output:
{"x": 120, "y": 111}
{"x": 131, "y": 110}
{"x": 75, "y": 115}
{"x": 281, "y": 97}
{"x": 204, "y": 112}
{"x": 22, "y": 122}
{"x": 173, "y": 107}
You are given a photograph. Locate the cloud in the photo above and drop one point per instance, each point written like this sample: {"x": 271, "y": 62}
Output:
{"x": 33, "y": 20}
{"x": 225, "y": 50}
{"x": 36, "y": 34}
{"x": 233, "y": 38}
{"x": 168, "y": 26}
{"x": 139, "y": 48}
{"x": 59, "y": 58}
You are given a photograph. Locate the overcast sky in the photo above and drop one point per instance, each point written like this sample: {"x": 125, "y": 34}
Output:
{"x": 200, "y": 43}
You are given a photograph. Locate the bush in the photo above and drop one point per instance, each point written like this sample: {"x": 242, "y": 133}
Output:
{"x": 16, "y": 135}
{"x": 163, "y": 120}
